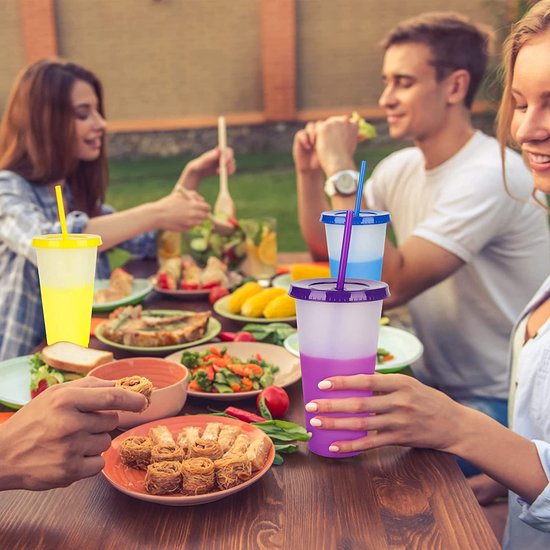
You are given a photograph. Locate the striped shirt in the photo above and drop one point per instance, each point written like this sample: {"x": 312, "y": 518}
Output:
{"x": 26, "y": 211}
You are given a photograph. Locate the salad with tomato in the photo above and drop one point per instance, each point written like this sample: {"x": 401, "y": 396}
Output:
{"x": 216, "y": 371}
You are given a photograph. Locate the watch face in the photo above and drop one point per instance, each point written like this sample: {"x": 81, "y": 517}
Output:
{"x": 345, "y": 184}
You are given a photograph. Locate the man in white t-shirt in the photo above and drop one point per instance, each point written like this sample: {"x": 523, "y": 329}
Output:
{"x": 470, "y": 253}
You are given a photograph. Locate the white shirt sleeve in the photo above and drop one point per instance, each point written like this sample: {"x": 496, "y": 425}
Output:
{"x": 537, "y": 515}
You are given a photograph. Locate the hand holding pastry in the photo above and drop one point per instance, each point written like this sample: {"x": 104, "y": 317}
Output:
{"x": 138, "y": 384}
{"x": 58, "y": 437}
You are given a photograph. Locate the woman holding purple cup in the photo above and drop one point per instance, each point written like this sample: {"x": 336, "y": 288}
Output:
{"x": 403, "y": 411}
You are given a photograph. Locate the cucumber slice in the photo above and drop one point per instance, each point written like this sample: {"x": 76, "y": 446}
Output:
{"x": 199, "y": 244}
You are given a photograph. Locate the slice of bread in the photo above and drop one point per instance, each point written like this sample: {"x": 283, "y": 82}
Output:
{"x": 74, "y": 358}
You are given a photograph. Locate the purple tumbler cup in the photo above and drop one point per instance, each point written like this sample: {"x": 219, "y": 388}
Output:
{"x": 338, "y": 335}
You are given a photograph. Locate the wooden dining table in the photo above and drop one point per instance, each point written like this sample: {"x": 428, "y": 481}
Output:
{"x": 394, "y": 497}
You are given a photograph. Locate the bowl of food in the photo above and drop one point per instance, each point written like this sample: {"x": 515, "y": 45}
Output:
{"x": 169, "y": 379}
{"x": 204, "y": 241}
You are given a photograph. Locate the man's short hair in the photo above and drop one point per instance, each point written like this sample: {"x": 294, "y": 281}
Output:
{"x": 455, "y": 41}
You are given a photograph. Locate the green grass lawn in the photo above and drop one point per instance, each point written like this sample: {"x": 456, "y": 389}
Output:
{"x": 264, "y": 184}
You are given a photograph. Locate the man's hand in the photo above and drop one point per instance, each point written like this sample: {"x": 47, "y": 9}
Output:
{"x": 59, "y": 436}
{"x": 335, "y": 143}
{"x": 303, "y": 150}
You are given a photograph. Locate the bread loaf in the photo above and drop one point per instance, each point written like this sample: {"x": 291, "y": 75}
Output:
{"x": 74, "y": 358}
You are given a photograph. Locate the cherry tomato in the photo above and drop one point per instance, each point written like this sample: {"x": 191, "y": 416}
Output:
{"x": 244, "y": 336}
{"x": 216, "y": 293}
{"x": 276, "y": 400}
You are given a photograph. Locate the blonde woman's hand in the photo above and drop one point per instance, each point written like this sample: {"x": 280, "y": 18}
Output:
{"x": 406, "y": 412}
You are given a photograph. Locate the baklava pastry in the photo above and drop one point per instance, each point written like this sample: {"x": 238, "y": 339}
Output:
{"x": 161, "y": 435}
{"x": 163, "y": 478}
{"x": 187, "y": 437}
{"x": 205, "y": 448}
{"x": 239, "y": 446}
{"x": 135, "y": 452}
{"x": 198, "y": 476}
{"x": 138, "y": 384}
{"x": 257, "y": 452}
{"x": 227, "y": 437}
{"x": 232, "y": 470}
{"x": 160, "y": 453}
{"x": 212, "y": 431}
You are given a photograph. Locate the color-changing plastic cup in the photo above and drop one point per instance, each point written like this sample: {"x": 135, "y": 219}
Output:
{"x": 66, "y": 269}
{"x": 366, "y": 249}
{"x": 338, "y": 335}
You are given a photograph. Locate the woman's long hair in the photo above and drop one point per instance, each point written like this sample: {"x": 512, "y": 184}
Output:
{"x": 533, "y": 23}
{"x": 38, "y": 136}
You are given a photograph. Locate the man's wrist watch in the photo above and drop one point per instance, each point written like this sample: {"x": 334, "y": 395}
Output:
{"x": 342, "y": 183}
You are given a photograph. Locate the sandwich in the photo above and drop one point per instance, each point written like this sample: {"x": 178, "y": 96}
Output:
{"x": 61, "y": 362}
{"x": 365, "y": 130}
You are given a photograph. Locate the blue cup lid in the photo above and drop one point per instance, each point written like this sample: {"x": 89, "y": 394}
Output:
{"x": 366, "y": 217}
{"x": 324, "y": 290}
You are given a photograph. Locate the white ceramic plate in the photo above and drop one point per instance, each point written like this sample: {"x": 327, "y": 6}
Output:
{"x": 140, "y": 289}
{"x": 289, "y": 366}
{"x": 281, "y": 281}
{"x": 404, "y": 346}
{"x": 15, "y": 382}
{"x": 130, "y": 481}
{"x": 221, "y": 308}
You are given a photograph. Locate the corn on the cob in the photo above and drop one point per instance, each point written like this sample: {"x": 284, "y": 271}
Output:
{"x": 254, "y": 306}
{"x": 282, "y": 306}
{"x": 238, "y": 298}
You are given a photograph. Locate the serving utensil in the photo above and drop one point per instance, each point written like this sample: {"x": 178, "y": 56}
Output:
{"x": 224, "y": 203}
{"x": 222, "y": 227}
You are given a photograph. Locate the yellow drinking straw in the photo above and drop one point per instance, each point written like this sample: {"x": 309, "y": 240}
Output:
{"x": 61, "y": 209}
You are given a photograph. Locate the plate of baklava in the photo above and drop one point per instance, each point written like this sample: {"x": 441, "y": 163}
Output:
{"x": 188, "y": 460}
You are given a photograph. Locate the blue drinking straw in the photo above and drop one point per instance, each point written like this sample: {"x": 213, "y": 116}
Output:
{"x": 360, "y": 188}
{"x": 345, "y": 249}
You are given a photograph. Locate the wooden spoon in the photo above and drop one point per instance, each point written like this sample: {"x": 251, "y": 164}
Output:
{"x": 224, "y": 203}
{"x": 222, "y": 227}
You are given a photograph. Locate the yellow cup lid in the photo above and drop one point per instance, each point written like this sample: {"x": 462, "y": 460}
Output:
{"x": 73, "y": 240}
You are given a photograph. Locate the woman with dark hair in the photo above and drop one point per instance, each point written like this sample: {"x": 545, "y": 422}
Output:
{"x": 406, "y": 412}
{"x": 53, "y": 132}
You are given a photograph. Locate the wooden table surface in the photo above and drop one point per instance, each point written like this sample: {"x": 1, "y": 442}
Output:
{"x": 386, "y": 498}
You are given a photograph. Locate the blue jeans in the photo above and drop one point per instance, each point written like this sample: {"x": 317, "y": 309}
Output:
{"x": 495, "y": 408}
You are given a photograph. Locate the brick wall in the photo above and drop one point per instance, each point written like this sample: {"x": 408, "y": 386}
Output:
{"x": 170, "y": 67}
